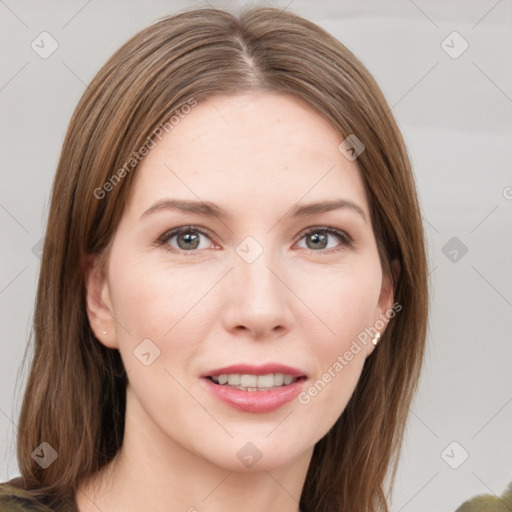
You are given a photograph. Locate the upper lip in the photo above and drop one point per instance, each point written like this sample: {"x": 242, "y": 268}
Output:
{"x": 249, "y": 369}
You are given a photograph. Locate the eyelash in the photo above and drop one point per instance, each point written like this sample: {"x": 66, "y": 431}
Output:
{"x": 344, "y": 237}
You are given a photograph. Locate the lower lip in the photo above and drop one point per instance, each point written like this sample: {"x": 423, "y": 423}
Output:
{"x": 256, "y": 401}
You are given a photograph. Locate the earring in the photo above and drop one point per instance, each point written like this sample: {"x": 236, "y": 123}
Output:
{"x": 376, "y": 339}
{"x": 104, "y": 332}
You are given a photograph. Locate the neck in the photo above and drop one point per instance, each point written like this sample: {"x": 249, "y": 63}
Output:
{"x": 153, "y": 472}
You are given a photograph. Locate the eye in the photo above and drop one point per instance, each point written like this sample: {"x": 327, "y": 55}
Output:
{"x": 317, "y": 239}
{"x": 187, "y": 239}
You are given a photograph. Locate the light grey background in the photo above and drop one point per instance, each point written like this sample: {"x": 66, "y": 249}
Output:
{"x": 455, "y": 114}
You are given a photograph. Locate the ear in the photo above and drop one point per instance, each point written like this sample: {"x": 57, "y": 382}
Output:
{"x": 385, "y": 303}
{"x": 99, "y": 304}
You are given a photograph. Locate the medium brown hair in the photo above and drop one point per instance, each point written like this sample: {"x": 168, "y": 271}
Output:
{"x": 75, "y": 394}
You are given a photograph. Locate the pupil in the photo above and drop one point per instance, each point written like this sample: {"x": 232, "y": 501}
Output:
{"x": 187, "y": 237}
{"x": 316, "y": 238}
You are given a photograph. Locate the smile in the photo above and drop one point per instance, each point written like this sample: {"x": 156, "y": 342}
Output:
{"x": 255, "y": 389}
{"x": 247, "y": 382}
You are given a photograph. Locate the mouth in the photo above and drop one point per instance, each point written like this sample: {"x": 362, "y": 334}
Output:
{"x": 251, "y": 382}
{"x": 255, "y": 389}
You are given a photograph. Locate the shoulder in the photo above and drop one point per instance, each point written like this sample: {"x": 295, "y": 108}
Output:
{"x": 13, "y": 498}
{"x": 489, "y": 503}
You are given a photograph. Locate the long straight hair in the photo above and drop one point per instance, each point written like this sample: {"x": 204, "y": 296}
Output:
{"x": 75, "y": 394}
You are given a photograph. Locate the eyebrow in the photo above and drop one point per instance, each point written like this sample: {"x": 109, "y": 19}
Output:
{"x": 209, "y": 209}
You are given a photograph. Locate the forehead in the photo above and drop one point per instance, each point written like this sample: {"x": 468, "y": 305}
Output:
{"x": 248, "y": 151}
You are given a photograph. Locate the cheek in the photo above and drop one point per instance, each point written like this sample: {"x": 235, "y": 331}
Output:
{"x": 157, "y": 330}
{"x": 345, "y": 300}
{"x": 151, "y": 297}
{"x": 347, "y": 308}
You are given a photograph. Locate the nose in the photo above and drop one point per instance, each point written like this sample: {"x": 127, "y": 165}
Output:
{"x": 257, "y": 303}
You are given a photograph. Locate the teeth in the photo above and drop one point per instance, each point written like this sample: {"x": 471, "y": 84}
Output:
{"x": 234, "y": 380}
{"x": 266, "y": 381}
{"x": 248, "y": 382}
{"x": 288, "y": 379}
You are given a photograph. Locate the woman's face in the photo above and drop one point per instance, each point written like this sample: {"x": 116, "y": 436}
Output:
{"x": 262, "y": 287}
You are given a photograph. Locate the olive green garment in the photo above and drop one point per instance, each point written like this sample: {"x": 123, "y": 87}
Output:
{"x": 13, "y": 498}
{"x": 489, "y": 503}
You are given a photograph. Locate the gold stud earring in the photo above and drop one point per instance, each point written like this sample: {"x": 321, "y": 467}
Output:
{"x": 376, "y": 338}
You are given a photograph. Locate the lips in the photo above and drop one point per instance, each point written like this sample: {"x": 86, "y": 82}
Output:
{"x": 248, "y": 369}
{"x": 255, "y": 389}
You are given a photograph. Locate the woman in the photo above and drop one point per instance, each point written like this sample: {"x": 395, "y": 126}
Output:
{"x": 232, "y": 304}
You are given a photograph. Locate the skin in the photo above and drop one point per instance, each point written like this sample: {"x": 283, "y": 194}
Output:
{"x": 257, "y": 156}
